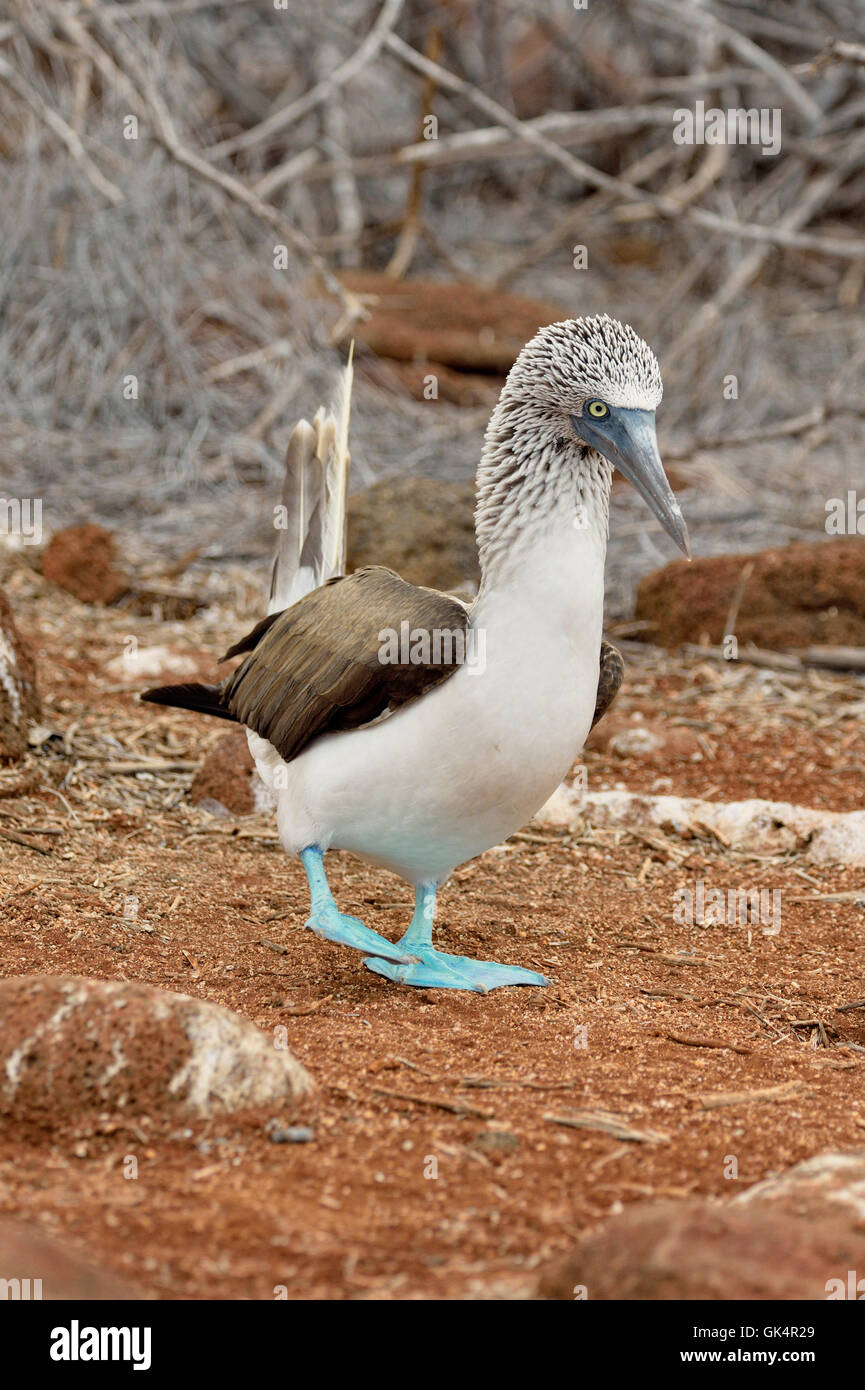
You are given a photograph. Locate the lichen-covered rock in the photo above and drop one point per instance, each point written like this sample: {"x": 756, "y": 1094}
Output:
{"x": 19, "y": 700}
{"x": 71, "y": 1046}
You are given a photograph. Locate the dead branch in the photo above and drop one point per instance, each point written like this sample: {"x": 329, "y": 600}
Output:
{"x": 745, "y": 49}
{"x": 281, "y": 120}
{"x": 146, "y": 98}
{"x": 815, "y": 197}
{"x": 56, "y": 124}
{"x": 349, "y": 212}
{"x": 785, "y": 235}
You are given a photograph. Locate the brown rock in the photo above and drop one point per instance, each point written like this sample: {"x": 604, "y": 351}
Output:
{"x": 796, "y": 596}
{"x": 700, "y": 1250}
{"x": 166, "y": 605}
{"x": 829, "y": 1182}
{"x": 422, "y": 528}
{"x": 37, "y": 1267}
{"x": 460, "y": 388}
{"x": 73, "y": 1047}
{"x": 227, "y": 774}
{"x": 19, "y": 699}
{"x": 849, "y": 1024}
{"x": 461, "y": 324}
{"x": 83, "y": 561}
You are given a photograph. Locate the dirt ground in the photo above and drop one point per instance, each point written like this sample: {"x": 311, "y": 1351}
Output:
{"x": 438, "y": 1166}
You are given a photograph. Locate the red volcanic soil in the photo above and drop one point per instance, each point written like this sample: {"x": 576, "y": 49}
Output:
{"x": 439, "y": 1164}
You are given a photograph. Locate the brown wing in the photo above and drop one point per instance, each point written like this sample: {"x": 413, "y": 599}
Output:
{"x": 612, "y": 671}
{"x": 317, "y": 667}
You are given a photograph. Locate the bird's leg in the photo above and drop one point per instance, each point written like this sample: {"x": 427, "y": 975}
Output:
{"x": 326, "y": 919}
{"x": 434, "y": 969}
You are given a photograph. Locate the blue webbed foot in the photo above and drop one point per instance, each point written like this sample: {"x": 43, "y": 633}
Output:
{"x": 328, "y": 922}
{"x": 436, "y": 970}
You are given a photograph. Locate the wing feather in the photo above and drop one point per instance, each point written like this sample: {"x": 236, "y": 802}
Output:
{"x": 610, "y": 676}
{"x": 317, "y": 666}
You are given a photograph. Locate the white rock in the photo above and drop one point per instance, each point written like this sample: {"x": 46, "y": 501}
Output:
{"x": 636, "y": 742}
{"x": 756, "y": 826}
{"x": 564, "y": 807}
{"x": 151, "y": 663}
{"x": 840, "y": 841}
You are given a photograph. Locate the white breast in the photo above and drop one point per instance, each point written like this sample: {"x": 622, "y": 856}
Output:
{"x": 469, "y": 763}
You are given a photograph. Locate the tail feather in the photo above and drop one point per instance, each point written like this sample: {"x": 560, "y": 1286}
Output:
{"x": 205, "y": 699}
{"x": 311, "y": 538}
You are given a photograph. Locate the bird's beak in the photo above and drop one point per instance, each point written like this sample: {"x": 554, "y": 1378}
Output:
{"x": 627, "y": 438}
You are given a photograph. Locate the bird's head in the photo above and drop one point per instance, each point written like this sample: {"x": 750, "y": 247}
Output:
{"x": 603, "y": 384}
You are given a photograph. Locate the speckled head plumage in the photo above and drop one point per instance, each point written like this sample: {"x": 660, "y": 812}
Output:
{"x": 570, "y": 362}
{"x": 579, "y": 400}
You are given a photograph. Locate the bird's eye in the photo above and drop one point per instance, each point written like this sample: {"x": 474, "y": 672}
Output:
{"x": 597, "y": 409}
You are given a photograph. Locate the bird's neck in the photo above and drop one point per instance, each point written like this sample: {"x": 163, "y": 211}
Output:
{"x": 542, "y": 507}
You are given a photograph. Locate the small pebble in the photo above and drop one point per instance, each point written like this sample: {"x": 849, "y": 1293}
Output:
{"x": 295, "y": 1134}
{"x": 495, "y": 1141}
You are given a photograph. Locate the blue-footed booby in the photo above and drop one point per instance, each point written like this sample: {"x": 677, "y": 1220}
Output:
{"x": 400, "y": 751}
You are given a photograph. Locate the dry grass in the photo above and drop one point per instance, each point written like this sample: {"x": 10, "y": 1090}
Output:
{"x": 154, "y": 256}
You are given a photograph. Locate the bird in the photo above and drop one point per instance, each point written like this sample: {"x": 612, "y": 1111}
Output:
{"x": 412, "y": 729}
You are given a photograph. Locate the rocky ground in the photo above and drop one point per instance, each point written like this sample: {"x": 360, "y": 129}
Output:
{"x": 454, "y": 1145}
